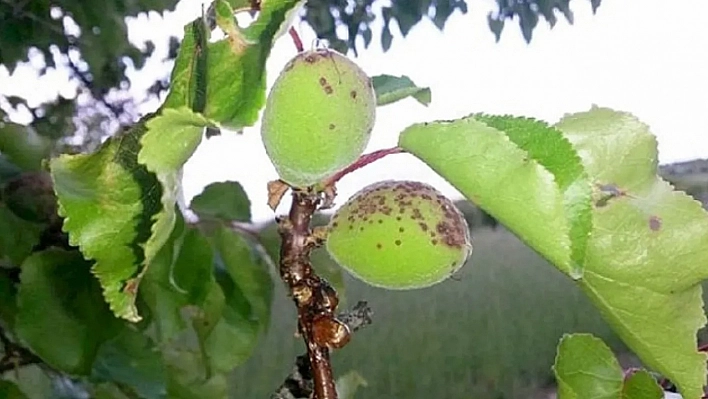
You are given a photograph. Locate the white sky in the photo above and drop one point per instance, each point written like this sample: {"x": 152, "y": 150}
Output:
{"x": 648, "y": 57}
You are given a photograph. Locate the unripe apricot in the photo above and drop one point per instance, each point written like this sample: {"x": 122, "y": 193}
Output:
{"x": 318, "y": 117}
{"x": 399, "y": 235}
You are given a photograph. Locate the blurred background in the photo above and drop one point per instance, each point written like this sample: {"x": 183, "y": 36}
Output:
{"x": 76, "y": 72}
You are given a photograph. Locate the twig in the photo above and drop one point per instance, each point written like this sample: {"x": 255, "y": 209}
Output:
{"x": 315, "y": 299}
{"x": 296, "y": 39}
{"x": 361, "y": 162}
{"x": 299, "y": 383}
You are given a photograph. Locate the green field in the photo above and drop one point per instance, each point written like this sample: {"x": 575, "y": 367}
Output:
{"x": 488, "y": 334}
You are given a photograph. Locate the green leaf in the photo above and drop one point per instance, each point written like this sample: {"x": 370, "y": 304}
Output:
{"x": 9, "y": 390}
{"x": 58, "y": 296}
{"x": 246, "y": 289}
{"x": 171, "y": 139}
{"x": 192, "y": 270}
{"x": 17, "y": 236}
{"x": 390, "y": 89}
{"x": 23, "y": 146}
{"x": 586, "y": 368}
{"x": 648, "y": 250}
{"x": 348, "y": 385}
{"x": 158, "y": 291}
{"x": 641, "y": 385}
{"x": 8, "y": 299}
{"x": 235, "y": 66}
{"x": 8, "y": 170}
{"x": 520, "y": 171}
{"x": 109, "y": 202}
{"x": 226, "y": 201}
{"x": 133, "y": 360}
{"x": 187, "y": 379}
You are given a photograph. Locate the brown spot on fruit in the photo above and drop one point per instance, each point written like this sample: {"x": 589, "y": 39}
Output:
{"x": 379, "y": 246}
{"x": 353, "y": 94}
{"x": 323, "y": 81}
{"x": 331, "y": 126}
{"x": 328, "y": 89}
{"x": 398, "y": 242}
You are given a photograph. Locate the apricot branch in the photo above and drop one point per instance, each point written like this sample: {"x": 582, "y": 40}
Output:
{"x": 315, "y": 299}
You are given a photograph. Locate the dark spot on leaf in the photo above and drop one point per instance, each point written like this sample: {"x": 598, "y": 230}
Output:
{"x": 655, "y": 223}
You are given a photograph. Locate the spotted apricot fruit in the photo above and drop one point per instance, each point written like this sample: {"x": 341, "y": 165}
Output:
{"x": 318, "y": 117}
{"x": 399, "y": 235}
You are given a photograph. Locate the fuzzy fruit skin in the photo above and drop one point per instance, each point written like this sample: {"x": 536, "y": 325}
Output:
{"x": 318, "y": 117}
{"x": 399, "y": 235}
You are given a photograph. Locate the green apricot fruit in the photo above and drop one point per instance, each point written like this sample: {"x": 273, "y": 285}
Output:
{"x": 399, "y": 235}
{"x": 318, "y": 117}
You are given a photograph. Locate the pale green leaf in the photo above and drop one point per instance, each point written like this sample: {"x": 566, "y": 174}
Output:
{"x": 641, "y": 385}
{"x": 58, "y": 296}
{"x": 586, "y": 368}
{"x": 109, "y": 202}
{"x": 390, "y": 89}
{"x": 226, "y": 201}
{"x": 510, "y": 171}
{"x": 648, "y": 250}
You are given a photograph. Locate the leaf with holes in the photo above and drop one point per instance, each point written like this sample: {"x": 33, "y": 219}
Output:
{"x": 648, "y": 250}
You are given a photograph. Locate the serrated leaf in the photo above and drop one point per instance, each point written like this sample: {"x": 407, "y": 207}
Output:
{"x": 586, "y": 368}
{"x": 57, "y": 294}
{"x": 235, "y": 66}
{"x": 9, "y": 390}
{"x": 390, "y": 89}
{"x": 540, "y": 195}
{"x": 641, "y": 385}
{"x": 132, "y": 359}
{"x": 226, "y": 201}
{"x": 17, "y": 236}
{"x": 170, "y": 140}
{"x": 109, "y": 202}
{"x": 23, "y": 146}
{"x": 648, "y": 250}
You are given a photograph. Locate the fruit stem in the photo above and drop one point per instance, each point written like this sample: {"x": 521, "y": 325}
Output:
{"x": 315, "y": 299}
{"x": 360, "y": 163}
{"x": 296, "y": 39}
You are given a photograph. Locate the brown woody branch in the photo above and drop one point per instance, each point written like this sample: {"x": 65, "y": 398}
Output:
{"x": 299, "y": 383}
{"x": 315, "y": 299}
